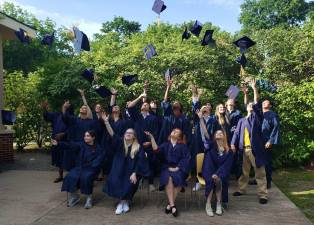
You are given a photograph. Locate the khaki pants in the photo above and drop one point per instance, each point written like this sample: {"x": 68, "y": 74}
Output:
{"x": 260, "y": 174}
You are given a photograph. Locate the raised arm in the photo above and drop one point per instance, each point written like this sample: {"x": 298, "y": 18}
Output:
{"x": 89, "y": 111}
{"x": 256, "y": 95}
{"x": 105, "y": 118}
{"x": 135, "y": 101}
{"x": 152, "y": 140}
{"x": 245, "y": 94}
{"x": 195, "y": 103}
{"x": 113, "y": 97}
{"x": 169, "y": 84}
{"x": 202, "y": 124}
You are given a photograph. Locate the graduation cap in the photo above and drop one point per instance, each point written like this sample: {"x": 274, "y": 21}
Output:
{"x": 242, "y": 60}
{"x": 80, "y": 40}
{"x": 168, "y": 74}
{"x": 102, "y": 91}
{"x": 196, "y": 28}
{"x": 266, "y": 85}
{"x": 208, "y": 38}
{"x": 48, "y": 39}
{"x": 88, "y": 74}
{"x": 22, "y": 36}
{"x": 232, "y": 92}
{"x": 159, "y": 6}
{"x": 186, "y": 34}
{"x": 129, "y": 79}
{"x": 149, "y": 51}
{"x": 8, "y": 117}
{"x": 244, "y": 43}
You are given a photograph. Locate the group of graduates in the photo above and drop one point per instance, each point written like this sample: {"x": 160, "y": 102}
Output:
{"x": 141, "y": 143}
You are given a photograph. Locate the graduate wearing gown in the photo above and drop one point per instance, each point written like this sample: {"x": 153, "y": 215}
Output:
{"x": 270, "y": 131}
{"x": 59, "y": 131}
{"x": 217, "y": 163}
{"x": 200, "y": 141}
{"x": 128, "y": 167}
{"x": 234, "y": 115}
{"x": 77, "y": 126}
{"x": 175, "y": 157}
{"x": 86, "y": 169}
{"x": 248, "y": 139}
{"x": 145, "y": 121}
{"x": 173, "y": 117}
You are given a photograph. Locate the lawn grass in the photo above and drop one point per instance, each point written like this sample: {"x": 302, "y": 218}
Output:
{"x": 298, "y": 186}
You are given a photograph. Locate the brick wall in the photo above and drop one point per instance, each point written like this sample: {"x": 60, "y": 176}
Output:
{"x": 6, "y": 147}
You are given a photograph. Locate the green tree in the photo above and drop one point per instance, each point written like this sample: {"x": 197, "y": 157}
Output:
{"x": 120, "y": 25}
{"x": 265, "y": 14}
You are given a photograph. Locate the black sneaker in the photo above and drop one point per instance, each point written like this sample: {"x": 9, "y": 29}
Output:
{"x": 237, "y": 193}
{"x": 263, "y": 201}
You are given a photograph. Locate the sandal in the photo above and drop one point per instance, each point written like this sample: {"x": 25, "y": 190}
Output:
{"x": 175, "y": 214}
{"x": 167, "y": 211}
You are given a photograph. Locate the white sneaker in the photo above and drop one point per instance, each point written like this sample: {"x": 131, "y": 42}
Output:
{"x": 197, "y": 187}
{"x": 74, "y": 199}
{"x": 125, "y": 207}
{"x": 152, "y": 188}
{"x": 209, "y": 209}
{"x": 218, "y": 209}
{"x": 119, "y": 209}
{"x": 88, "y": 203}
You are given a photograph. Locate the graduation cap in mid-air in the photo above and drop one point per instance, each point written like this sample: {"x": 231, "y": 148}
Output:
{"x": 88, "y": 74}
{"x": 8, "y": 117}
{"x": 168, "y": 74}
{"x": 80, "y": 41}
{"x": 232, "y": 92}
{"x": 244, "y": 43}
{"x": 242, "y": 60}
{"x": 208, "y": 38}
{"x": 129, "y": 79}
{"x": 266, "y": 85}
{"x": 102, "y": 91}
{"x": 48, "y": 39}
{"x": 186, "y": 34}
{"x": 159, "y": 6}
{"x": 22, "y": 35}
{"x": 196, "y": 28}
{"x": 150, "y": 51}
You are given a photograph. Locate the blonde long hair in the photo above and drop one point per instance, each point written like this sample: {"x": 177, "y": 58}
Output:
{"x": 135, "y": 145}
{"x": 225, "y": 141}
{"x": 222, "y": 118}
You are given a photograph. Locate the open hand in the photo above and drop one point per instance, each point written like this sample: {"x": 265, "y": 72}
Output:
{"x": 133, "y": 178}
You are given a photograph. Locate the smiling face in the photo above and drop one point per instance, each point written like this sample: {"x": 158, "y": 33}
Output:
{"x": 129, "y": 135}
{"x": 221, "y": 108}
{"x": 219, "y": 135}
{"x": 98, "y": 108}
{"x": 145, "y": 107}
{"x": 89, "y": 138}
{"x": 116, "y": 109}
{"x": 230, "y": 104}
{"x": 83, "y": 110}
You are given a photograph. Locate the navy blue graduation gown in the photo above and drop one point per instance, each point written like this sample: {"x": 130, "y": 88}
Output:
{"x": 86, "y": 170}
{"x": 234, "y": 117}
{"x": 177, "y": 156}
{"x": 170, "y": 122}
{"x": 270, "y": 127}
{"x": 76, "y": 131}
{"x": 119, "y": 127}
{"x": 217, "y": 164}
{"x": 58, "y": 127}
{"x": 118, "y": 184}
{"x": 254, "y": 125}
